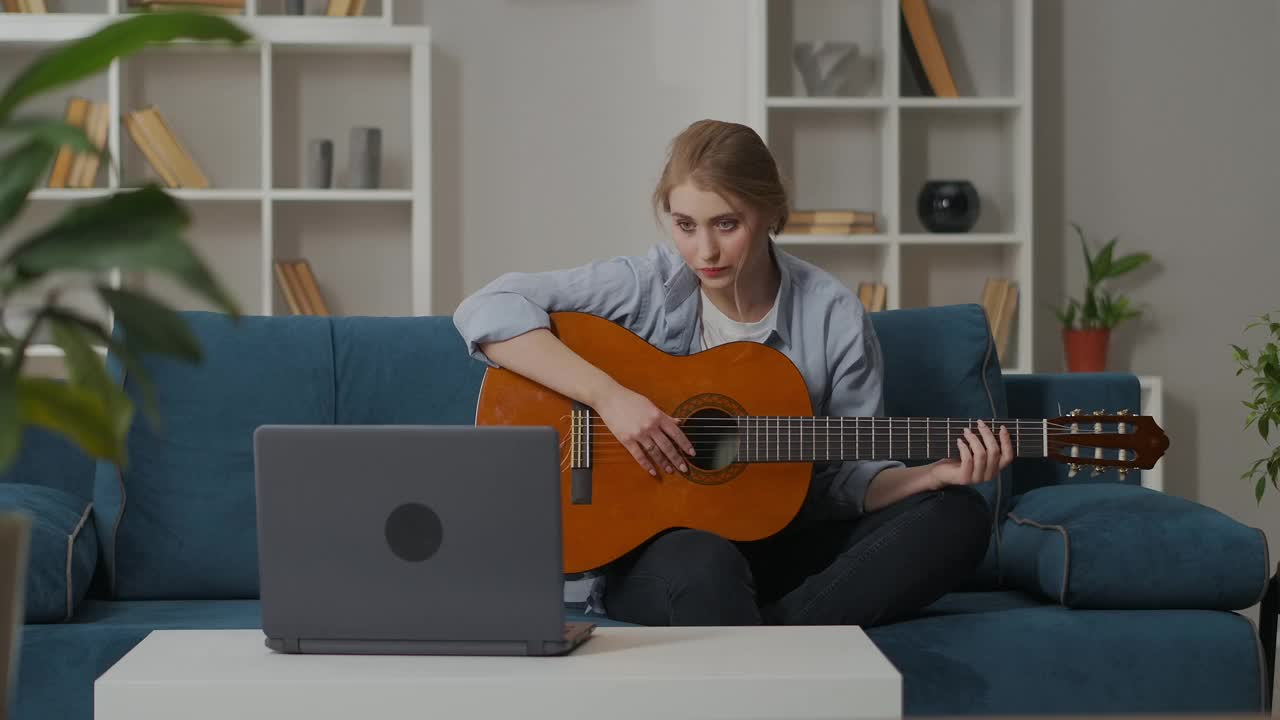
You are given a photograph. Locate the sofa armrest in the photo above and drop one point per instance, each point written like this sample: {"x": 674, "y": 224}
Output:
{"x": 1051, "y": 395}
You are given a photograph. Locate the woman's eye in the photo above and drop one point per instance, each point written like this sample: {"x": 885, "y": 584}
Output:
{"x": 685, "y": 225}
{"x": 728, "y": 225}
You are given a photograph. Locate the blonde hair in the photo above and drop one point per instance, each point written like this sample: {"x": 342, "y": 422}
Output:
{"x": 729, "y": 159}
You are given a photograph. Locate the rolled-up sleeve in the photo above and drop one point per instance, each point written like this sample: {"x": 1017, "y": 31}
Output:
{"x": 516, "y": 303}
{"x": 857, "y": 390}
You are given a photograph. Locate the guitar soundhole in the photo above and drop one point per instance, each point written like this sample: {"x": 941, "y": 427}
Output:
{"x": 714, "y": 435}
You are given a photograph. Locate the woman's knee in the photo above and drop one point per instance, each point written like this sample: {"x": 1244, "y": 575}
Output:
{"x": 966, "y": 514}
{"x": 695, "y": 557}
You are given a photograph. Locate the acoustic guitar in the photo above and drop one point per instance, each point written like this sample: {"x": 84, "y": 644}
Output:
{"x": 746, "y": 409}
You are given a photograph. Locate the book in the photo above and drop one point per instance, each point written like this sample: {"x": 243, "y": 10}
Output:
{"x": 97, "y": 120}
{"x": 924, "y": 41}
{"x": 999, "y": 301}
{"x": 169, "y": 149}
{"x": 60, "y": 175}
{"x": 150, "y": 149}
{"x": 872, "y": 295}
{"x": 310, "y": 289}
{"x": 832, "y": 217}
{"x": 284, "y": 279}
{"x": 843, "y": 229}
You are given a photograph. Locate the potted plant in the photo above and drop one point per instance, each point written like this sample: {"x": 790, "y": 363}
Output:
{"x": 1265, "y": 406}
{"x": 134, "y": 230}
{"x": 1087, "y": 322}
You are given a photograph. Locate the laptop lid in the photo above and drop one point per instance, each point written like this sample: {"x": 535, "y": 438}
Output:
{"x": 409, "y": 533}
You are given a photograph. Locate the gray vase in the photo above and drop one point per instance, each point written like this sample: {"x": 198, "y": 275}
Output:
{"x": 319, "y": 163}
{"x": 365, "y": 163}
{"x": 295, "y": 7}
{"x": 824, "y": 66}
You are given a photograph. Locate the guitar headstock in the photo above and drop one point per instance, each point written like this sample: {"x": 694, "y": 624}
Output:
{"x": 1103, "y": 440}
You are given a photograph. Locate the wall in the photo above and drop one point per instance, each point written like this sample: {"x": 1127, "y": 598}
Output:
{"x": 551, "y": 119}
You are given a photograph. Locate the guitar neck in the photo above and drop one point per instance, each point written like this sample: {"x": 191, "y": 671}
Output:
{"x": 815, "y": 439}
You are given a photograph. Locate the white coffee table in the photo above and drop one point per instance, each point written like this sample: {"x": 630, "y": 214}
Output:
{"x": 766, "y": 672}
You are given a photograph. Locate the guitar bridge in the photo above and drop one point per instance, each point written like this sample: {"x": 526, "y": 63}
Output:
{"x": 580, "y": 455}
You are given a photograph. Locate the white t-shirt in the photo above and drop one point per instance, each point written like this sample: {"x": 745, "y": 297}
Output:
{"x": 718, "y": 328}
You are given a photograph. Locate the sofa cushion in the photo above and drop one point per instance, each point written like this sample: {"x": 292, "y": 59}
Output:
{"x": 1052, "y": 660}
{"x": 963, "y": 382}
{"x": 49, "y": 459}
{"x": 181, "y": 521}
{"x": 62, "y": 549}
{"x": 412, "y": 370}
{"x": 1124, "y": 546}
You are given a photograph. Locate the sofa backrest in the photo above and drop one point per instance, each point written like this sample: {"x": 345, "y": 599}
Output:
{"x": 180, "y": 521}
{"x": 49, "y": 459}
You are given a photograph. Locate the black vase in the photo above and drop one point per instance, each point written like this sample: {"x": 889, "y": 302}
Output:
{"x": 948, "y": 206}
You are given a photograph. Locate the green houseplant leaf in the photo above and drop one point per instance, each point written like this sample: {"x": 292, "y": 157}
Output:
{"x": 1264, "y": 408}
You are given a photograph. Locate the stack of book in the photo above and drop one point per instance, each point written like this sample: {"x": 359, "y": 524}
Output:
{"x": 872, "y": 296}
{"x": 345, "y": 8}
{"x": 25, "y": 6}
{"x": 73, "y": 169}
{"x": 221, "y": 7}
{"x": 167, "y": 156}
{"x": 298, "y": 285}
{"x": 830, "y": 222}
{"x": 1000, "y": 300}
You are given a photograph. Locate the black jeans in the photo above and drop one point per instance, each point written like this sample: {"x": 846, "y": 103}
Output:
{"x": 876, "y": 569}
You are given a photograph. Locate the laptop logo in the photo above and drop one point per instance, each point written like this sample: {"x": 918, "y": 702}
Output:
{"x": 414, "y": 532}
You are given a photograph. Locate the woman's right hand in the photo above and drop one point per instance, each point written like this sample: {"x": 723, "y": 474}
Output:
{"x": 645, "y": 431}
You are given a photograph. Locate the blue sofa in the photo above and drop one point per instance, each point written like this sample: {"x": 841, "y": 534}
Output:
{"x": 1097, "y": 595}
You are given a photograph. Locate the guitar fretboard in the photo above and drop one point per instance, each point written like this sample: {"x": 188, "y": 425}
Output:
{"x": 805, "y": 439}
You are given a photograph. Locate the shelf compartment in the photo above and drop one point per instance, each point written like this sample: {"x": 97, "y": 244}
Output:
{"x": 360, "y": 254}
{"x": 52, "y": 105}
{"x": 801, "y": 240}
{"x": 935, "y": 275}
{"x": 850, "y": 264}
{"x": 209, "y": 97}
{"x": 974, "y": 145}
{"x": 325, "y": 95}
{"x": 228, "y": 237}
{"x": 977, "y": 38}
{"x": 833, "y": 161}
{"x": 805, "y": 21}
{"x": 340, "y": 195}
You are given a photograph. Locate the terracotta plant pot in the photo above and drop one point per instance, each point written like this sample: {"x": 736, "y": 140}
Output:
{"x": 1086, "y": 350}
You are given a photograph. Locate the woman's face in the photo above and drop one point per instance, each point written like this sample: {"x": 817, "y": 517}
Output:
{"x": 712, "y": 236}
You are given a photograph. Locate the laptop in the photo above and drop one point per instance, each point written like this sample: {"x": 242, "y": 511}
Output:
{"x": 422, "y": 539}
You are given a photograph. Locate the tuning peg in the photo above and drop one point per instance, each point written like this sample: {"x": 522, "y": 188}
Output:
{"x": 1075, "y": 412}
{"x": 1072, "y": 469}
{"x": 1124, "y": 412}
{"x": 1097, "y": 470}
{"x": 1123, "y": 472}
{"x": 1099, "y": 412}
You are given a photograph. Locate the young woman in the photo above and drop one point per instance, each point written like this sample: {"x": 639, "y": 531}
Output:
{"x": 874, "y": 540}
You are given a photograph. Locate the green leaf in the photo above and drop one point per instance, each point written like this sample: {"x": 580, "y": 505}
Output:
{"x": 69, "y": 62}
{"x": 1129, "y": 263}
{"x": 137, "y": 230}
{"x": 1102, "y": 260}
{"x": 71, "y": 411}
{"x": 52, "y": 133}
{"x": 1261, "y": 487}
{"x": 20, "y": 171}
{"x": 151, "y": 327}
{"x": 1241, "y": 354}
{"x": 10, "y": 428}
{"x": 1263, "y": 426}
{"x": 86, "y": 370}
{"x": 132, "y": 363}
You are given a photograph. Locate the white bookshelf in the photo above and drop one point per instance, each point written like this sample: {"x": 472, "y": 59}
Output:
{"x": 873, "y": 147}
{"x": 246, "y": 115}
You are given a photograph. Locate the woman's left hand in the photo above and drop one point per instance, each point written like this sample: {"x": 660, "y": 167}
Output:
{"x": 982, "y": 457}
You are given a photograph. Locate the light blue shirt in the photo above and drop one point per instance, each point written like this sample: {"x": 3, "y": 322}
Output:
{"x": 820, "y": 325}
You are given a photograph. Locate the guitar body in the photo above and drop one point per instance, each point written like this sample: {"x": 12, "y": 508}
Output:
{"x": 627, "y": 506}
